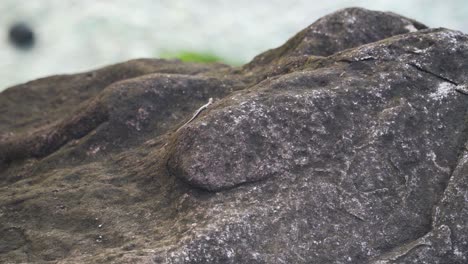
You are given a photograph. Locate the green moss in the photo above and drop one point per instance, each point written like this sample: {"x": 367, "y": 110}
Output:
{"x": 189, "y": 56}
{"x": 200, "y": 57}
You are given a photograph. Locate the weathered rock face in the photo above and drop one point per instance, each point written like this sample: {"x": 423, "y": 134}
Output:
{"x": 348, "y": 144}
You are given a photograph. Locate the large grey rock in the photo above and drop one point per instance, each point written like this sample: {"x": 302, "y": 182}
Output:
{"x": 341, "y": 30}
{"x": 348, "y": 146}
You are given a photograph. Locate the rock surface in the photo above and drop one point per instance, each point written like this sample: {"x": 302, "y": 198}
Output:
{"x": 348, "y": 144}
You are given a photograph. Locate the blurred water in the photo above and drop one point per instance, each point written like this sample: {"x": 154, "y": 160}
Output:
{"x": 79, "y": 35}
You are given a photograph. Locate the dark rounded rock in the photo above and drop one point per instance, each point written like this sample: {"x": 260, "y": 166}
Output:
{"x": 21, "y": 35}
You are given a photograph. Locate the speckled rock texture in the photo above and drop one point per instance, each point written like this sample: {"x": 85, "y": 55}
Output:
{"x": 348, "y": 144}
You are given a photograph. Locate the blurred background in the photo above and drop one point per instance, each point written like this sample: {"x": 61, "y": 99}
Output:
{"x": 45, "y": 37}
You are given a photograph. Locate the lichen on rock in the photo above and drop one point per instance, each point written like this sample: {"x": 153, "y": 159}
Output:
{"x": 345, "y": 145}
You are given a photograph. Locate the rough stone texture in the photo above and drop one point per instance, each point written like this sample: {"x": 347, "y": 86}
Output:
{"x": 345, "y": 145}
{"x": 342, "y": 30}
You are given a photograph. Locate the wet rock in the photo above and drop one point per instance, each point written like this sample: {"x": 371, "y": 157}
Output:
{"x": 345, "y": 145}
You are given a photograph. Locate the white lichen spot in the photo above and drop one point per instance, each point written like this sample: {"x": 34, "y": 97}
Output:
{"x": 419, "y": 51}
{"x": 444, "y": 90}
{"x": 411, "y": 28}
{"x": 457, "y": 252}
{"x": 229, "y": 253}
{"x": 351, "y": 19}
{"x": 94, "y": 149}
{"x": 463, "y": 88}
